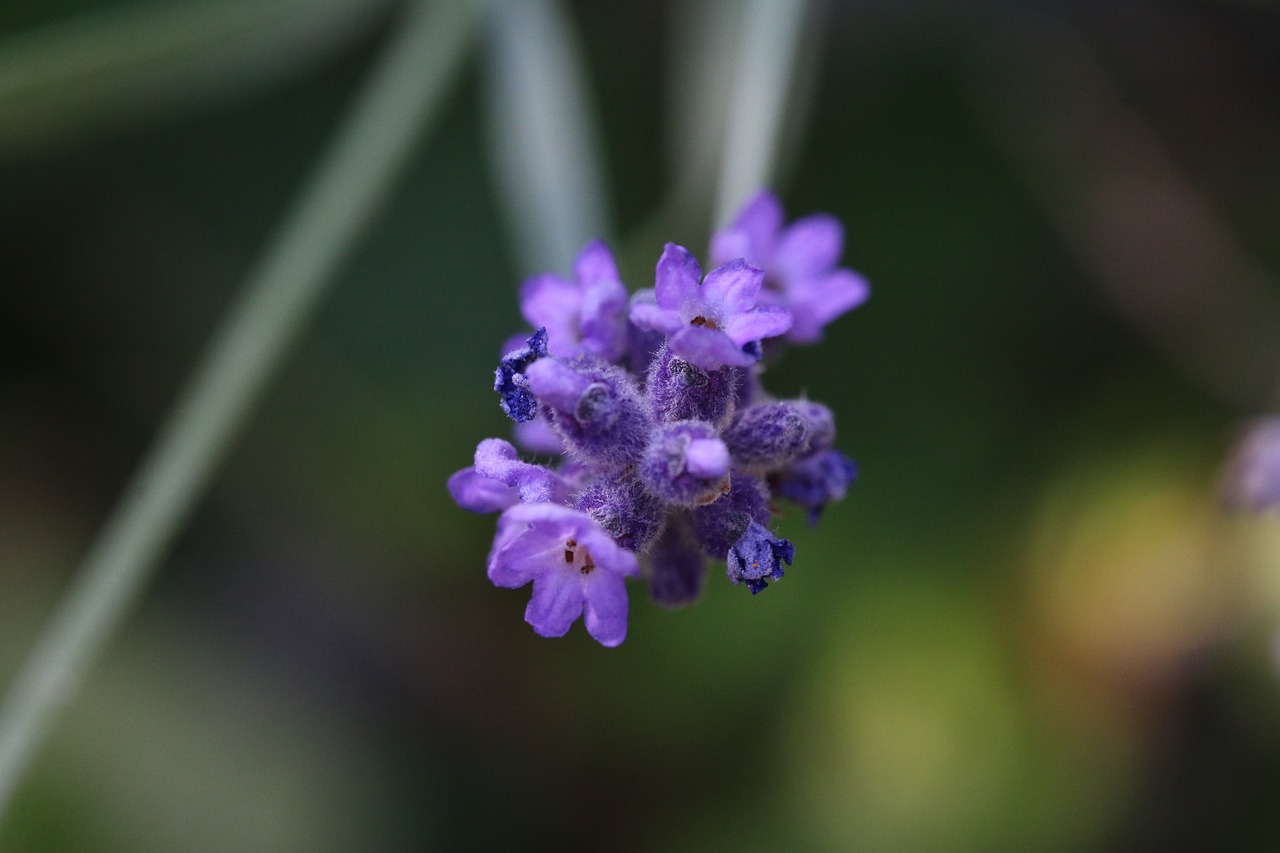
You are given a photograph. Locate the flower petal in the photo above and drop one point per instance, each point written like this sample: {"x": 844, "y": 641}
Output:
{"x": 766, "y": 322}
{"x": 647, "y": 314}
{"x": 537, "y": 436}
{"x": 676, "y": 278}
{"x": 556, "y": 603}
{"x": 605, "y": 610}
{"x": 810, "y": 246}
{"x": 607, "y": 554}
{"x": 730, "y": 243}
{"x": 473, "y": 491}
{"x": 550, "y": 301}
{"x": 497, "y": 460}
{"x": 708, "y": 348}
{"x": 731, "y": 288}
{"x": 817, "y": 302}
{"x": 557, "y": 384}
{"x": 760, "y": 218}
{"x": 595, "y": 264}
{"x": 603, "y": 318}
{"x": 707, "y": 457}
{"x": 499, "y": 564}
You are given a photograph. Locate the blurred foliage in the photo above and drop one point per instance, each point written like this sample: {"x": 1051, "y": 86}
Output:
{"x": 1028, "y": 627}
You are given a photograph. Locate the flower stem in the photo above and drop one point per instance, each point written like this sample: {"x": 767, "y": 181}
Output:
{"x": 770, "y": 41}
{"x": 544, "y": 138}
{"x": 332, "y": 211}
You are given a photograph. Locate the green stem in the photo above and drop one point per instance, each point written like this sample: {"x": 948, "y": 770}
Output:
{"x": 334, "y": 209}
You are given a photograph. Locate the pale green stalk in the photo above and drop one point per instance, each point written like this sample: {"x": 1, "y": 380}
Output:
{"x": 333, "y": 210}
{"x": 134, "y": 61}
{"x": 543, "y": 136}
{"x": 766, "y": 60}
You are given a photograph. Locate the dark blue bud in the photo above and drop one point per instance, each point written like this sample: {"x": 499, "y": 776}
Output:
{"x": 680, "y": 391}
{"x": 817, "y": 480}
{"x": 757, "y": 558}
{"x": 677, "y": 567}
{"x": 511, "y": 381}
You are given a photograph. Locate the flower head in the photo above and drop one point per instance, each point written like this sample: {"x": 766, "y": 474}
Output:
{"x": 708, "y": 322}
{"x": 665, "y": 446}
{"x": 799, "y": 263}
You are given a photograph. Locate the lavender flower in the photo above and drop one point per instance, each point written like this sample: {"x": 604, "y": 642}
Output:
{"x": 709, "y": 324}
{"x": 576, "y": 568}
{"x": 668, "y": 452}
{"x": 587, "y": 315}
{"x": 799, "y": 263}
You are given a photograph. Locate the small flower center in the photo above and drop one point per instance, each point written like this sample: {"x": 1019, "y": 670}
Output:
{"x": 700, "y": 320}
{"x": 576, "y": 555}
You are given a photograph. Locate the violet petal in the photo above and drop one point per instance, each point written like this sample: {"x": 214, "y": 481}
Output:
{"x": 708, "y": 348}
{"x": 731, "y": 288}
{"x": 810, "y": 246}
{"x": 676, "y": 278}
{"x": 473, "y": 491}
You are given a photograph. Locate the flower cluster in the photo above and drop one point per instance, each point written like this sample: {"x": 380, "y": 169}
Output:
{"x": 668, "y": 451}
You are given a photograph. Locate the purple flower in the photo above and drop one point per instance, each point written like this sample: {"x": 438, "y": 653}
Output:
{"x": 709, "y": 324}
{"x": 537, "y": 436}
{"x": 799, "y": 263}
{"x": 664, "y": 442}
{"x": 587, "y": 315}
{"x": 576, "y": 569}
{"x": 757, "y": 558}
{"x": 1252, "y": 479}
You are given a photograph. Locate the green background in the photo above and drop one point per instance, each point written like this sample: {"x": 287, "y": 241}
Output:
{"x": 1029, "y": 627}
